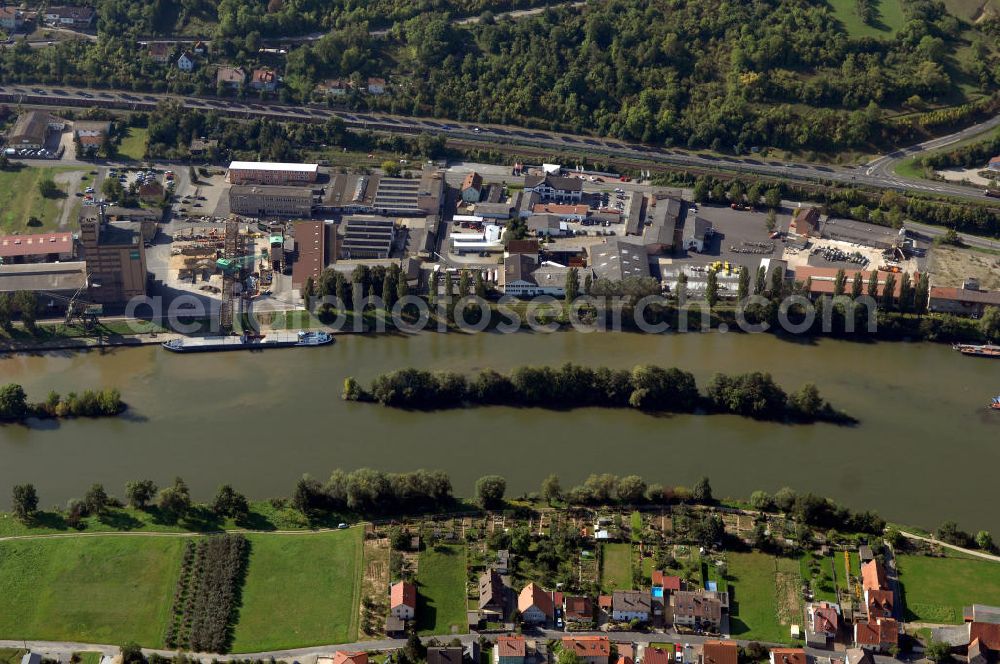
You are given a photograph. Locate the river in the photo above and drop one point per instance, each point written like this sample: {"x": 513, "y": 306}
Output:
{"x": 926, "y": 449}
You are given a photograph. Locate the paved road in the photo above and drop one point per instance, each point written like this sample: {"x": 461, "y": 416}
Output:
{"x": 886, "y": 165}
{"x": 873, "y": 175}
{"x": 63, "y": 650}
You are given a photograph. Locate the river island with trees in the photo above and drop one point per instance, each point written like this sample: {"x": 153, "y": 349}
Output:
{"x": 646, "y": 388}
{"x": 15, "y": 407}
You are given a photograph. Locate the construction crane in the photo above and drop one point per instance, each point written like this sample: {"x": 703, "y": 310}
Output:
{"x": 78, "y": 308}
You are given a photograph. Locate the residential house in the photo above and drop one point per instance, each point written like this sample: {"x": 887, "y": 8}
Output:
{"x": 994, "y": 164}
{"x": 546, "y": 225}
{"x": 333, "y": 87}
{"x": 555, "y": 188}
{"x": 697, "y": 232}
{"x": 873, "y": 576}
{"x": 788, "y": 656}
{"x": 805, "y": 223}
{"x": 403, "y": 600}
{"x": 698, "y": 609}
{"x": 510, "y": 650}
{"x": 880, "y": 603}
{"x": 879, "y": 635}
{"x": 720, "y": 652}
{"x": 523, "y": 276}
{"x": 90, "y": 135}
{"x": 669, "y": 584}
{"x": 604, "y": 604}
{"x": 11, "y": 19}
{"x": 629, "y": 605}
{"x": 264, "y": 80}
{"x": 535, "y": 605}
{"x": 858, "y": 656}
{"x": 565, "y": 212}
{"x": 651, "y": 655}
{"x": 70, "y": 17}
{"x": 344, "y": 657}
{"x": 472, "y": 187}
{"x": 230, "y": 77}
{"x": 578, "y": 609}
{"x": 160, "y": 52}
{"x": 446, "y": 655}
{"x": 492, "y": 593}
{"x": 969, "y": 300}
{"x": 186, "y": 61}
{"x": 589, "y": 649}
{"x": 376, "y": 86}
{"x": 865, "y": 553}
{"x": 823, "y": 624}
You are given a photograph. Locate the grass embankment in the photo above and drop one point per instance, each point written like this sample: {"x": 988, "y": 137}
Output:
{"x": 616, "y": 567}
{"x": 52, "y": 332}
{"x": 764, "y": 599}
{"x": 20, "y": 200}
{"x": 92, "y": 590}
{"x": 441, "y": 593}
{"x": 936, "y": 589}
{"x": 12, "y": 655}
{"x": 300, "y": 590}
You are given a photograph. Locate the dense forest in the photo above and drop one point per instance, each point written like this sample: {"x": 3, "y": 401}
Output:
{"x": 724, "y": 74}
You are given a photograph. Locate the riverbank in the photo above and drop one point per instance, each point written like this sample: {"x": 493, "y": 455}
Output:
{"x": 234, "y": 413}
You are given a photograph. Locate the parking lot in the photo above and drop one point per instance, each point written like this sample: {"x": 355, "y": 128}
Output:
{"x": 740, "y": 236}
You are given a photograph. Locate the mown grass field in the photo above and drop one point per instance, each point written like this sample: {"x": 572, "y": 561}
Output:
{"x": 764, "y": 596}
{"x": 890, "y": 18}
{"x": 133, "y": 145}
{"x": 88, "y": 589}
{"x": 20, "y": 200}
{"x": 936, "y": 589}
{"x": 616, "y": 567}
{"x": 441, "y": 594}
{"x": 300, "y": 590}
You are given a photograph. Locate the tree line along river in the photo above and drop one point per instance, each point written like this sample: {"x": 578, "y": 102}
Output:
{"x": 926, "y": 448}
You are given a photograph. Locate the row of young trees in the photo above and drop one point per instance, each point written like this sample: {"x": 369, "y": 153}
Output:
{"x": 647, "y": 388}
{"x": 207, "y": 594}
{"x": 15, "y": 407}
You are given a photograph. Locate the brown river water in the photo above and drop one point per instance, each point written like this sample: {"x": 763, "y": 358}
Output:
{"x": 926, "y": 449}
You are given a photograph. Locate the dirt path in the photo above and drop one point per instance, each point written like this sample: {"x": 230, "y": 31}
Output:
{"x": 71, "y": 182}
{"x": 931, "y": 540}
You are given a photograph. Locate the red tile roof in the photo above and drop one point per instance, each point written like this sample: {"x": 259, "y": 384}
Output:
{"x": 873, "y": 576}
{"x": 604, "y": 601}
{"x": 36, "y": 244}
{"x": 403, "y": 594}
{"x": 988, "y": 634}
{"x": 555, "y": 208}
{"x": 965, "y": 295}
{"x": 534, "y": 595}
{"x": 822, "y": 279}
{"x": 345, "y": 657}
{"x": 579, "y": 608}
{"x": 825, "y": 619}
{"x": 657, "y": 656}
{"x": 789, "y": 656}
{"x": 588, "y": 646}
{"x": 881, "y": 631}
{"x": 720, "y": 652}
{"x": 511, "y": 646}
{"x": 879, "y": 603}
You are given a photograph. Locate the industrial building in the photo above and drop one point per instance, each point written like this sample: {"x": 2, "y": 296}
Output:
{"x": 555, "y": 188}
{"x": 37, "y": 248}
{"x": 969, "y": 300}
{"x": 374, "y": 194}
{"x": 264, "y": 172}
{"x": 487, "y": 240}
{"x": 271, "y": 201}
{"x": 368, "y": 237}
{"x": 63, "y": 280}
{"x": 31, "y": 130}
{"x": 617, "y": 260}
{"x": 315, "y": 247}
{"x": 116, "y": 260}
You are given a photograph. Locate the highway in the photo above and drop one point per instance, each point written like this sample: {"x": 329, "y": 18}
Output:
{"x": 878, "y": 173}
